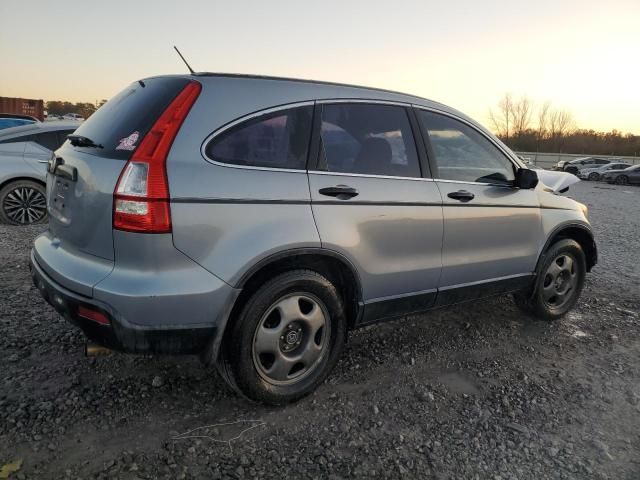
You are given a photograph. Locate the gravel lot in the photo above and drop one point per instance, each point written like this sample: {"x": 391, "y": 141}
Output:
{"x": 475, "y": 391}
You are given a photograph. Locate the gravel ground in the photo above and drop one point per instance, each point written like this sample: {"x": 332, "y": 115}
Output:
{"x": 475, "y": 391}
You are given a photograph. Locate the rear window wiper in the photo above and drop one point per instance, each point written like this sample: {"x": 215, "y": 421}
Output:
{"x": 80, "y": 141}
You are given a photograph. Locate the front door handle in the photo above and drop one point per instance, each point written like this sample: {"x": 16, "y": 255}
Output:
{"x": 462, "y": 195}
{"x": 343, "y": 192}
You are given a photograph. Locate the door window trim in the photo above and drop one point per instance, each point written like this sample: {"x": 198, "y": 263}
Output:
{"x": 316, "y": 139}
{"x": 259, "y": 113}
{"x": 431, "y": 155}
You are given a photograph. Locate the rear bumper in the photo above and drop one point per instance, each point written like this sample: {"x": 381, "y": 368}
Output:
{"x": 158, "y": 333}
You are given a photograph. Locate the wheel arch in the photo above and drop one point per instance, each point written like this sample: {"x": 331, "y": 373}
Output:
{"x": 21, "y": 178}
{"x": 575, "y": 231}
{"x": 332, "y": 265}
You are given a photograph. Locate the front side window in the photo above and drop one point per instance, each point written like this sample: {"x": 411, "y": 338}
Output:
{"x": 275, "y": 140}
{"x": 463, "y": 154}
{"x": 368, "y": 139}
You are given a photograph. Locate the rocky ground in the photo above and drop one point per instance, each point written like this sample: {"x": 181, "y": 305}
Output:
{"x": 476, "y": 391}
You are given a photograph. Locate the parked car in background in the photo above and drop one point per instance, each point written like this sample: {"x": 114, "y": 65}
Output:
{"x": 24, "y": 153}
{"x": 254, "y": 230}
{"x": 52, "y": 117}
{"x": 595, "y": 173}
{"x": 73, "y": 116}
{"x": 9, "y": 120}
{"x": 574, "y": 166}
{"x": 630, "y": 175}
{"x": 532, "y": 166}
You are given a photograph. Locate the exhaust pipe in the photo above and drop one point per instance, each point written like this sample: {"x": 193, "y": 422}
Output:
{"x": 95, "y": 350}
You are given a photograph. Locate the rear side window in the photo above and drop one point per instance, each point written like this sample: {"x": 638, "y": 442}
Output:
{"x": 462, "y": 153}
{"x": 133, "y": 111}
{"x": 369, "y": 140}
{"x": 275, "y": 140}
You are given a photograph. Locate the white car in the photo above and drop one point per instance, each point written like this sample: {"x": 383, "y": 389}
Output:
{"x": 73, "y": 116}
{"x": 595, "y": 173}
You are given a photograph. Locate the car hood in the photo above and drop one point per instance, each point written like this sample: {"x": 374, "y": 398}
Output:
{"x": 556, "y": 182}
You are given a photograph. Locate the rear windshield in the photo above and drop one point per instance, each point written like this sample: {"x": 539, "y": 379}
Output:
{"x": 121, "y": 123}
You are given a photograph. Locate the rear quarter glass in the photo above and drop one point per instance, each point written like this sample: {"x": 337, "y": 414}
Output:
{"x": 134, "y": 109}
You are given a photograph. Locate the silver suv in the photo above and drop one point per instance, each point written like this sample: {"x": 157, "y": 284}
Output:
{"x": 254, "y": 221}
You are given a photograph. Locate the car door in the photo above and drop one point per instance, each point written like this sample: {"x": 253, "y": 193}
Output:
{"x": 634, "y": 174}
{"x": 37, "y": 152}
{"x": 372, "y": 204}
{"x": 492, "y": 230}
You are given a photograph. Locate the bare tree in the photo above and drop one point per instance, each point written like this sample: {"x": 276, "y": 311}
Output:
{"x": 561, "y": 123}
{"x": 521, "y": 112}
{"x": 502, "y": 118}
{"x": 543, "y": 121}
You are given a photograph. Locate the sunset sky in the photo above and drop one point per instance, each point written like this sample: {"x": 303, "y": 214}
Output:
{"x": 582, "y": 55}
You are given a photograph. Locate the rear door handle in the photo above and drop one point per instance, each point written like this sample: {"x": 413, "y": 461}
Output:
{"x": 343, "y": 192}
{"x": 462, "y": 195}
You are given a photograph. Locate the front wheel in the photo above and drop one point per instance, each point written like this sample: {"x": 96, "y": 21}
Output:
{"x": 594, "y": 177}
{"x": 559, "y": 281}
{"x": 286, "y": 339}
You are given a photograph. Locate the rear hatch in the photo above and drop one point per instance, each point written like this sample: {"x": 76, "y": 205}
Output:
{"x": 81, "y": 179}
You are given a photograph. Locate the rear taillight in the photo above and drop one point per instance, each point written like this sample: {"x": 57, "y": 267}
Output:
{"x": 141, "y": 197}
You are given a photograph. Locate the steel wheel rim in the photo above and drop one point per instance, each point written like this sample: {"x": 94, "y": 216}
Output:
{"x": 560, "y": 281}
{"x": 24, "y": 205}
{"x": 291, "y": 339}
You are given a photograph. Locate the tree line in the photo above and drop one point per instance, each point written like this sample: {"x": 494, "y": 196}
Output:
{"x": 525, "y": 126}
{"x": 57, "y": 107}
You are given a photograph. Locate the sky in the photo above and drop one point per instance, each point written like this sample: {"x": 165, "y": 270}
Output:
{"x": 581, "y": 55}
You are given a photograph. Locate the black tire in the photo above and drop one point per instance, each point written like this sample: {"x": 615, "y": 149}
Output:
{"x": 622, "y": 180}
{"x": 23, "y": 202}
{"x": 539, "y": 301}
{"x": 594, "y": 177}
{"x": 245, "y": 369}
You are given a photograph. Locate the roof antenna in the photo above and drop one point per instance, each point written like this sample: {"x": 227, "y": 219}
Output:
{"x": 185, "y": 62}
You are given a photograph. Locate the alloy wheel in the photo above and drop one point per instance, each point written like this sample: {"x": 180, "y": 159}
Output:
{"x": 291, "y": 339}
{"x": 25, "y": 205}
{"x": 621, "y": 180}
{"x": 560, "y": 281}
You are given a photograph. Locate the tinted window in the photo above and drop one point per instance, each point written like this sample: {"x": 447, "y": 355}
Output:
{"x": 276, "y": 140}
{"x": 48, "y": 140}
{"x": 62, "y": 136}
{"x": 463, "y": 154}
{"x": 135, "y": 109}
{"x": 368, "y": 139}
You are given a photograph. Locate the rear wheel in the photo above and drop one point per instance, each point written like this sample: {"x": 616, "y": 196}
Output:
{"x": 594, "y": 177}
{"x": 286, "y": 339}
{"x": 23, "y": 202}
{"x": 559, "y": 281}
{"x": 622, "y": 180}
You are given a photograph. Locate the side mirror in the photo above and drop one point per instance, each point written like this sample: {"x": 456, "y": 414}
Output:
{"x": 526, "y": 178}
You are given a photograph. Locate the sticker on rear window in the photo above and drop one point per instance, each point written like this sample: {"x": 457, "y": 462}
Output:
{"x": 129, "y": 143}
